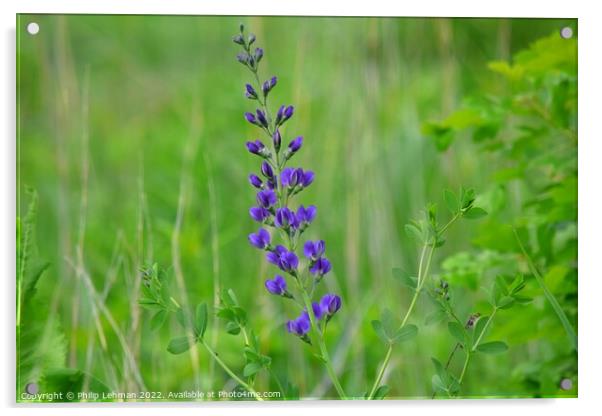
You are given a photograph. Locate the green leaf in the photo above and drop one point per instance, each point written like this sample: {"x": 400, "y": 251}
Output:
{"x": 493, "y": 347}
{"x": 180, "y": 344}
{"x": 158, "y": 319}
{"x": 405, "y": 333}
{"x": 438, "y": 384}
{"x": 435, "y": 317}
{"x": 404, "y": 278}
{"x": 381, "y": 392}
{"x": 251, "y": 369}
{"x": 474, "y": 213}
{"x": 380, "y": 332}
{"x": 457, "y": 331}
{"x": 505, "y": 302}
{"x": 70, "y": 380}
{"x": 200, "y": 322}
{"x": 413, "y": 231}
{"x": 467, "y": 197}
{"x": 149, "y": 304}
{"x": 451, "y": 201}
{"x": 232, "y": 328}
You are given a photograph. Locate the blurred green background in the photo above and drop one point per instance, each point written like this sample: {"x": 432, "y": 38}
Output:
{"x": 131, "y": 130}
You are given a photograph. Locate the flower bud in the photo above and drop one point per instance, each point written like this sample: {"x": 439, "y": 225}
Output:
{"x": 250, "y": 92}
{"x": 238, "y": 39}
{"x": 262, "y": 118}
{"x": 250, "y": 117}
{"x": 255, "y": 147}
{"x": 258, "y": 54}
{"x": 295, "y": 144}
{"x": 267, "y": 170}
{"x": 277, "y": 140}
{"x": 255, "y": 181}
{"x": 251, "y": 39}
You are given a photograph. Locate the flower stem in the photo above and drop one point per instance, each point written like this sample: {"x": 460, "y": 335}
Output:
{"x": 323, "y": 350}
{"x": 468, "y": 354}
{"x": 230, "y": 372}
{"x": 478, "y": 341}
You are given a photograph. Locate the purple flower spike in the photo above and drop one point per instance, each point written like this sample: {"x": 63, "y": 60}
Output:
{"x": 255, "y": 147}
{"x": 330, "y": 304}
{"x": 276, "y": 286}
{"x": 295, "y": 144}
{"x": 251, "y": 118}
{"x": 262, "y": 118}
{"x": 313, "y": 250}
{"x": 255, "y": 181}
{"x": 250, "y": 92}
{"x": 259, "y": 214}
{"x": 285, "y": 218}
{"x": 266, "y": 198}
{"x": 299, "y": 326}
{"x": 308, "y": 178}
{"x": 260, "y": 239}
{"x": 320, "y": 267}
{"x": 266, "y": 170}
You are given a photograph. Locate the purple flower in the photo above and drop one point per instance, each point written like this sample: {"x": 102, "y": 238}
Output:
{"x": 276, "y": 286}
{"x": 259, "y": 214}
{"x": 260, "y": 239}
{"x": 284, "y": 113}
{"x": 243, "y": 58}
{"x": 286, "y": 260}
{"x": 267, "y": 170}
{"x": 255, "y": 181}
{"x": 285, "y": 218}
{"x": 266, "y": 198}
{"x": 290, "y": 177}
{"x": 313, "y": 250}
{"x": 251, "y": 118}
{"x": 295, "y": 144}
{"x": 238, "y": 39}
{"x": 320, "y": 267}
{"x": 308, "y": 178}
{"x": 306, "y": 215}
{"x": 330, "y": 304}
{"x": 258, "y": 54}
{"x": 261, "y": 118}
{"x": 250, "y": 92}
{"x": 268, "y": 85}
{"x": 317, "y": 309}
{"x": 277, "y": 139}
{"x": 255, "y": 147}
{"x": 299, "y": 326}
{"x": 272, "y": 183}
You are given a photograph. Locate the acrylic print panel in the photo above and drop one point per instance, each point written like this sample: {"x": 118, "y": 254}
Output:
{"x": 296, "y": 208}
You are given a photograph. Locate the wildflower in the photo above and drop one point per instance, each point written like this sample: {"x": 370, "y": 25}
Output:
{"x": 313, "y": 250}
{"x": 276, "y": 286}
{"x": 320, "y": 267}
{"x": 295, "y": 144}
{"x": 259, "y": 214}
{"x": 299, "y": 326}
{"x": 250, "y": 92}
{"x": 266, "y": 198}
{"x": 285, "y": 218}
{"x": 255, "y": 181}
{"x": 277, "y": 138}
{"x": 255, "y": 147}
{"x": 286, "y": 260}
{"x": 267, "y": 170}
{"x": 268, "y": 85}
{"x": 260, "y": 239}
{"x": 306, "y": 215}
{"x": 330, "y": 304}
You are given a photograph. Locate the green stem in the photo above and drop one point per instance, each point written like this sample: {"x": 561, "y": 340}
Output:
{"x": 482, "y": 334}
{"x": 468, "y": 353}
{"x": 549, "y": 296}
{"x": 230, "y": 372}
{"x": 323, "y": 350}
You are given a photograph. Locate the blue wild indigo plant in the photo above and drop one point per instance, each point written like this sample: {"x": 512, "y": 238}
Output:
{"x": 304, "y": 263}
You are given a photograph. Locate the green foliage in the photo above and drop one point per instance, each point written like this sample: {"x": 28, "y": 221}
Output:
{"x": 68, "y": 380}
{"x": 390, "y": 330}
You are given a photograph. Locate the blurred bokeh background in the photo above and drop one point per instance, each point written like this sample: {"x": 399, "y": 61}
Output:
{"x": 131, "y": 131}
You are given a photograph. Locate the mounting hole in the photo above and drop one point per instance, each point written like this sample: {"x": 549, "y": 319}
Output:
{"x": 31, "y": 388}
{"x": 33, "y": 28}
{"x": 566, "y": 384}
{"x": 566, "y": 32}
